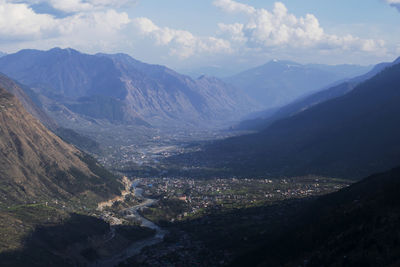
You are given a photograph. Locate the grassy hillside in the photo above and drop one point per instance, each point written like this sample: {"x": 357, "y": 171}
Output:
{"x": 44, "y": 184}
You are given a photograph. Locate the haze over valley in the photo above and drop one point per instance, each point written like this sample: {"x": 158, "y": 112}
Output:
{"x": 133, "y": 135}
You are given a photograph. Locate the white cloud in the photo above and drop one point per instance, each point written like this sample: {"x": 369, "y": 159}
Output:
{"x": 94, "y": 22}
{"x": 113, "y": 3}
{"x": 71, "y": 5}
{"x": 181, "y": 43}
{"x": 234, "y": 7}
{"x": 394, "y": 3}
{"x": 18, "y": 22}
{"x": 108, "y": 21}
{"x": 280, "y": 29}
{"x": 100, "y": 25}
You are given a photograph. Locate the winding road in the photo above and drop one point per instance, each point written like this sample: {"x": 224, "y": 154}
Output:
{"x": 136, "y": 247}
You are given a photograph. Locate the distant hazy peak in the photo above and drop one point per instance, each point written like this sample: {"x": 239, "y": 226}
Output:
{"x": 125, "y": 58}
{"x": 68, "y": 50}
{"x": 59, "y": 50}
{"x": 208, "y": 78}
{"x": 116, "y": 55}
{"x": 281, "y": 62}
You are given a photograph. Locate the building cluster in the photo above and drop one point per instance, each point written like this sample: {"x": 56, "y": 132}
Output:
{"x": 203, "y": 194}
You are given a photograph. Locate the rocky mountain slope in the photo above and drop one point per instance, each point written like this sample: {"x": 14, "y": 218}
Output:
{"x": 29, "y": 105}
{"x": 119, "y": 88}
{"x": 30, "y": 101}
{"x": 42, "y": 180}
{"x": 36, "y": 164}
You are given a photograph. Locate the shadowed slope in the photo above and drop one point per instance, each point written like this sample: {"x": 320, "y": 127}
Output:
{"x": 350, "y": 136}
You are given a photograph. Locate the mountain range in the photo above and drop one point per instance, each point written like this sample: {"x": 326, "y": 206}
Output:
{"x": 349, "y": 130}
{"x": 215, "y": 71}
{"x": 349, "y": 136}
{"x": 72, "y": 86}
{"x": 277, "y": 83}
{"x": 262, "y": 119}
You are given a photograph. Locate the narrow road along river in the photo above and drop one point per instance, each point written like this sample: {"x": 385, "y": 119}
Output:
{"x": 136, "y": 247}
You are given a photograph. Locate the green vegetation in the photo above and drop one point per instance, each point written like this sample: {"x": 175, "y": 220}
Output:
{"x": 111, "y": 181}
{"x": 48, "y": 232}
{"x": 80, "y": 141}
{"x": 185, "y": 199}
{"x": 17, "y": 222}
{"x": 356, "y": 226}
{"x": 134, "y": 233}
{"x": 165, "y": 211}
{"x": 41, "y": 235}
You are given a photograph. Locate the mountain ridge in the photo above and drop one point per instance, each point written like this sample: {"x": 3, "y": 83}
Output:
{"x": 30, "y": 105}
{"x": 129, "y": 90}
{"x": 263, "y": 119}
{"x": 279, "y": 82}
{"x": 38, "y": 164}
{"x": 350, "y": 136}
{"x": 350, "y": 227}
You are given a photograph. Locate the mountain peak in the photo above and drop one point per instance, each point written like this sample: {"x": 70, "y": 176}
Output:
{"x": 52, "y": 51}
{"x": 68, "y": 51}
{"x": 120, "y": 57}
{"x": 112, "y": 86}
{"x": 282, "y": 62}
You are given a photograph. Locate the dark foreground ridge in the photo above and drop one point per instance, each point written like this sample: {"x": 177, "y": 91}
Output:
{"x": 357, "y": 226}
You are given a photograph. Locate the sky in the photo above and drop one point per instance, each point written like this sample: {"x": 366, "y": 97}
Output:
{"x": 189, "y": 34}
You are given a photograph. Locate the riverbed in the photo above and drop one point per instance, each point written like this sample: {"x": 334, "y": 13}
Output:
{"x": 136, "y": 247}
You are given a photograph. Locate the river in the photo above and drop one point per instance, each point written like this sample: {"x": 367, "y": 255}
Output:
{"x": 136, "y": 247}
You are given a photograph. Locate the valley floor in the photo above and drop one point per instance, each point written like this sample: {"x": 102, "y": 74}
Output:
{"x": 212, "y": 222}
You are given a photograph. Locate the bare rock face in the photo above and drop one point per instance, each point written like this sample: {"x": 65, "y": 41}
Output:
{"x": 15, "y": 89}
{"x": 119, "y": 88}
{"x": 35, "y": 164}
